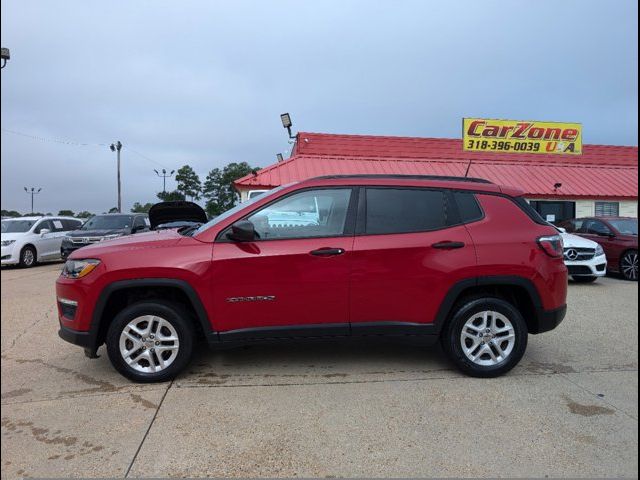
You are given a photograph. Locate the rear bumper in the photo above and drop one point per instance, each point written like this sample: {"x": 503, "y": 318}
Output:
{"x": 548, "y": 320}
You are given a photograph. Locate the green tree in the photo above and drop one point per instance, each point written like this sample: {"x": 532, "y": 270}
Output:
{"x": 188, "y": 182}
{"x": 174, "y": 196}
{"x": 113, "y": 210}
{"x": 10, "y": 213}
{"x": 66, "y": 213}
{"x": 140, "y": 208}
{"x": 84, "y": 214}
{"x": 218, "y": 187}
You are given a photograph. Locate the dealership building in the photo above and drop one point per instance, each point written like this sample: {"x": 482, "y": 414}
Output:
{"x": 603, "y": 180}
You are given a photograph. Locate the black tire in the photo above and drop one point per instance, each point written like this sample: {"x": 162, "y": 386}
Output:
{"x": 584, "y": 279}
{"x": 28, "y": 257}
{"x": 463, "y": 311}
{"x": 173, "y": 313}
{"x": 629, "y": 265}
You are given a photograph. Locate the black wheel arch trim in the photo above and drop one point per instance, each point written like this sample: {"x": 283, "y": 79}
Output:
{"x": 91, "y": 340}
{"x": 543, "y": 320}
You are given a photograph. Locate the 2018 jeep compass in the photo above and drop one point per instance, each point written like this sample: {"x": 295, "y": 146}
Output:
{"x": 458, "y": 260}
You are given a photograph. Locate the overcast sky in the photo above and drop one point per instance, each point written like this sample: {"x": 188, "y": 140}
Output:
{"x": 203, "y": 82}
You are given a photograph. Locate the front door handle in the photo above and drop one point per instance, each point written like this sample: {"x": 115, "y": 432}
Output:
{"x": 448, "y": 245}
{"x": 327, "y": 252}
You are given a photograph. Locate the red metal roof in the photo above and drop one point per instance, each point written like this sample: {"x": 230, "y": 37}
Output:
{"x": 602, "y": 171}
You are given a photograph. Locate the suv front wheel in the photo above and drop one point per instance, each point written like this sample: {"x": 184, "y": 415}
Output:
{"x": 150, "y": 341}
{"x": 485, "y": 337}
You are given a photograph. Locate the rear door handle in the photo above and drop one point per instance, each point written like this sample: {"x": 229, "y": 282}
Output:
{"x": 327, "y": 252}
{"x": 448, "y": 245}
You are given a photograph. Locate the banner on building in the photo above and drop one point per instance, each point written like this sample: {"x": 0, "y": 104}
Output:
{"x": 519, "y": 136}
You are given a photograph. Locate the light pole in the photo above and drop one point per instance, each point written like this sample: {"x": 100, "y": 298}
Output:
{"x": 32, "y": 192}
{"x": 6, "y": 55}
{"x": 164, "y": 176}
{"x": 116, "y": 147}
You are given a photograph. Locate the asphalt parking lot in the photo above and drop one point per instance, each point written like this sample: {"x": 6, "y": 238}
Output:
{"x": 323, "y": 410}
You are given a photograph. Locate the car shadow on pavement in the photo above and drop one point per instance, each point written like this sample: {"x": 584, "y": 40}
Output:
{"x": 294, "y": 362}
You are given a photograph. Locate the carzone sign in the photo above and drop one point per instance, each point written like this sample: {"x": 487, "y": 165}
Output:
{"x": 487, "y": 135}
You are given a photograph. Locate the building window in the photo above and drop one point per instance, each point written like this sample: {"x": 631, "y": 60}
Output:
{"x": 607, "y": 209}
{"x": 554, "y": 211}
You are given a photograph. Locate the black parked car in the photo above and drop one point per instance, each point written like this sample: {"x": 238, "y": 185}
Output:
{"x": 103, "y": 227}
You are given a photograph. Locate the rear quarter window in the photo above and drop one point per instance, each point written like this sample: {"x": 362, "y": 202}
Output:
{"x": 468, "y": 207}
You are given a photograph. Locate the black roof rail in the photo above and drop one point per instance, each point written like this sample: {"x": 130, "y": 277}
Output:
{"x": 445, "y": 178}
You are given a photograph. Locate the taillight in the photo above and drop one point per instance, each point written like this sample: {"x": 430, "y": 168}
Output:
{"x": 552, "y": 245}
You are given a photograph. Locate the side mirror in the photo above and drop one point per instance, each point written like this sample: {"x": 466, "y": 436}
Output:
{"x": 242, "y": 231}
{"x": 44, "y": 231}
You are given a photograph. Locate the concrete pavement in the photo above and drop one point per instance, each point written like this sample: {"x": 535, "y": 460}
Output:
{"x": 569, "y": 409}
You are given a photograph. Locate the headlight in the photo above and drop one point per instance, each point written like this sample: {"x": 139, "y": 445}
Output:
{"x": 79, "y": 268}
{"x": 599, "y": 250}
{"x": 6, "y": 243}
{"x": 109, "y": 237}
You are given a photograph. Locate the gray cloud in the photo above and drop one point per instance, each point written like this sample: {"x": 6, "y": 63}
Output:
{"x": 203, "y": 83}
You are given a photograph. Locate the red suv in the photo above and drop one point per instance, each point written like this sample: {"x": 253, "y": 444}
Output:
{"x": 458, "y": 260}
{"x": 618, "y": 236}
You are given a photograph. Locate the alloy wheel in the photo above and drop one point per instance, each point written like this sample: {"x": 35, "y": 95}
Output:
{"x": 629, "y": 265}
{"x": 28, "y": 258}
{"x": 149, "y": 344}
{"x": 487, "y": 338}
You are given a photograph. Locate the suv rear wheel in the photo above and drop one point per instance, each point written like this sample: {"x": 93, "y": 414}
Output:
{"x": 486, "y": 337}
{"x": 150, "y": 341}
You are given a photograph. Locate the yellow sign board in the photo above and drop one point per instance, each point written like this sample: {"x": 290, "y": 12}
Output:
{"x": 515, "y": 136}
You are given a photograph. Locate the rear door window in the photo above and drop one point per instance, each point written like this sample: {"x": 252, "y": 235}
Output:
{"x": 595, "y": 227}
{"x": 404, "y": 210}
{"x": 58, "y": 226}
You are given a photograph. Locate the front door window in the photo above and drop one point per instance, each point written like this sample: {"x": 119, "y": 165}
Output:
{"x": 308, "y": 214}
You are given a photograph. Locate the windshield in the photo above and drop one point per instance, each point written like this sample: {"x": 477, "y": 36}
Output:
{"x": 627, "y": 226}
{"x": 17, "y": 226}
{"x": 234, "y": 210}
{"x": 108, "y": 222}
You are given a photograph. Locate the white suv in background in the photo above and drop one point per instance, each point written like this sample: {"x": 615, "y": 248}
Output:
{"x": 584, "y": 258}
{"x": 28, "y": 240}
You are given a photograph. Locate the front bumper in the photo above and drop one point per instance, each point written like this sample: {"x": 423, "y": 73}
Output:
{"x": 86, "y": 340}
{"x": 595, "y": 267}
{"x": 10, "y": 255}
{"x": 68, "y": 247}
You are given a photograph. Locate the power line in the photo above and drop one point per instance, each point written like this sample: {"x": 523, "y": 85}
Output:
{"x": 144, "y": 156}
{"x": 77, "y": 144}
{"x": 54, "y": 140}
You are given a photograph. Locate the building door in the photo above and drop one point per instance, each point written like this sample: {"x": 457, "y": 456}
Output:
{"x": 555, "y": 211}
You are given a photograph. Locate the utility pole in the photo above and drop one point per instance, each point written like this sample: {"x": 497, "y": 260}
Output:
{"x": 164, "y": 176}
{"x": 116, "y": 147}
{"x": 32, "y": 192}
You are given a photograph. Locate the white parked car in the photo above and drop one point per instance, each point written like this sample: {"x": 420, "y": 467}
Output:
{"x": 584, "y": 258}
{"x": 28, "y": 240}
